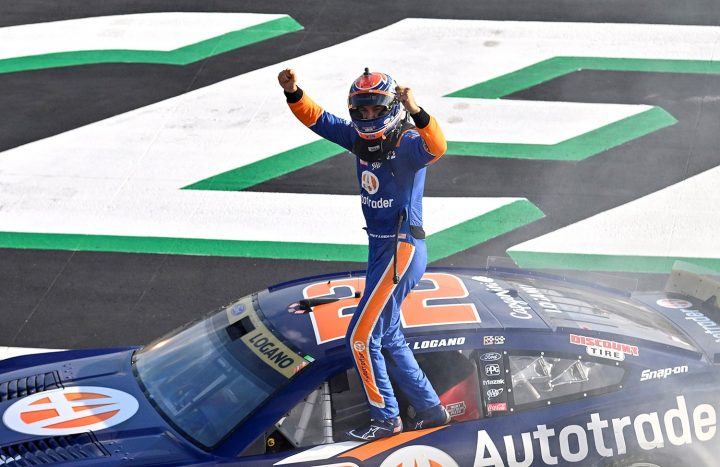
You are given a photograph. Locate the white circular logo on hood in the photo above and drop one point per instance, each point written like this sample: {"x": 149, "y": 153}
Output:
{"x": 413, "y": 456}
{"x": 71, "y": 410}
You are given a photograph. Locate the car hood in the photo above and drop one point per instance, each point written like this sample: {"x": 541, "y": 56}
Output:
{"x": 90, "y": 405}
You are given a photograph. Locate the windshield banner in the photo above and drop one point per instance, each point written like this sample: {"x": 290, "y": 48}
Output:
{"x": 262, "y": 342}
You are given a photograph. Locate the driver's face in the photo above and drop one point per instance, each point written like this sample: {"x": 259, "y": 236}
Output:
{"x": 369, "y": 112}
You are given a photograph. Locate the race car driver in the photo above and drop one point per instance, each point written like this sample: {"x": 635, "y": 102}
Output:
{"x": 391, "y": 160}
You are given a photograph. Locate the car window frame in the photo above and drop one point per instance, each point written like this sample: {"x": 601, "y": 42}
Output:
{"x": 567, "y": 398}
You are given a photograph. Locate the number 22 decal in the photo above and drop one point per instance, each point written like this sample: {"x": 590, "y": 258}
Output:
{"x": 420, "y": 308}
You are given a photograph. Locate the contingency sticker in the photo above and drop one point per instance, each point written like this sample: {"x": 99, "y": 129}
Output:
{"x": 492, "y": 372}
{"x": 604, "y": 348}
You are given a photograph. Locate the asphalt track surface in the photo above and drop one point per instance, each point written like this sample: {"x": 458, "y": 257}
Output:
{"x": 74, "y": 299}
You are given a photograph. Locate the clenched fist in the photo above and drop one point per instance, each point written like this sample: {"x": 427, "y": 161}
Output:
{"x": 288, "y": 80}
{"x": 407, "y": 99}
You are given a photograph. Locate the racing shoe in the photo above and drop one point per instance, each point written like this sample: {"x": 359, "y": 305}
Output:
{"x": 430, "y": 418}
{"x": 375, "y": 430}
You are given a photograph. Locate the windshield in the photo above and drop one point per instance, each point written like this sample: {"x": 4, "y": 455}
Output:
{"x": 586, "y": 309}
{"x": 210, "y": 376}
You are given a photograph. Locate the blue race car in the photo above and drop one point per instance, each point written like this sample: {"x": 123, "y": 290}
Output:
{"x": 535, "y": 369}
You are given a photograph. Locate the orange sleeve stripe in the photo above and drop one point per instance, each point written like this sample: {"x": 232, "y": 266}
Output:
{"x": 306, "y": 110}
{"x": 369, "y": 316}
{"x": 434, "y": 138}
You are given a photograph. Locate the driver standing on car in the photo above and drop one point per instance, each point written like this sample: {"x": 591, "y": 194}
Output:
{"x": 392, "y": 156}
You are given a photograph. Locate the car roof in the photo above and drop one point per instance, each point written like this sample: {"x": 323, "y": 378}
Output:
{"x": 449, "y": 301}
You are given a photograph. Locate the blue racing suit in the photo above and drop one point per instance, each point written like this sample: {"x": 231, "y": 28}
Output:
{"x": 391, "y": 194}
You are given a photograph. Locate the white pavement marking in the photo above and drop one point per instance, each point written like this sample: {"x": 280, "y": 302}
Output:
{"x": 678, "y": 221}
{"x": 122, "y": 176}
{"x": 320, "y": 453}
{"x": 9, "y": 352}
{"x": 313, "y": 218}
{"x": 142, "y": 31}
{"x": 527, "y": 122}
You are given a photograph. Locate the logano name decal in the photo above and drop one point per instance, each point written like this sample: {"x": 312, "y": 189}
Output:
{"x": 269, "y": 348}
{"x": 274, "y": 353}
{"x": 574, "y": 443}
{"x": 263, "y": 343}
{"x": 434, "y": 343}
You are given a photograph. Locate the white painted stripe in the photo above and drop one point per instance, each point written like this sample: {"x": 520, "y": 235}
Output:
{"x": 527, "y": 122}
{"x": 144, "y": 31}
{"x": 217, "y": 215}
{"x": 325, "y": 451}
{"x": 9, "y": 352}
{"x": 122, "y": 176}
{"x": 680, "y": 220}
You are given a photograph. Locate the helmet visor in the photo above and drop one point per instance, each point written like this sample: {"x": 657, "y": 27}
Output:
{"x": 370, "y": 99}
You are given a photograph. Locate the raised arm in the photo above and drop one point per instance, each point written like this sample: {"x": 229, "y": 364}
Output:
{"x": 304, "y": 108}
{"x": 426, "y": 124}
{"x": 311, "y": 114}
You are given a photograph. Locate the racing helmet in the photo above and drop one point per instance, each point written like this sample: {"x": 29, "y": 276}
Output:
{"x": 370, "y": 89}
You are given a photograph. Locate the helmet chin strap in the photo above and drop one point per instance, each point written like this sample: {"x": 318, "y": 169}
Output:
{"x": 394, "y": 135}
{"x": 385, "y": 144}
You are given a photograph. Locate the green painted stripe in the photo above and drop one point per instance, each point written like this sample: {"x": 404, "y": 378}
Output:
{"x": 441, "y": 244}
{"x": 182, "y": 56}
{"x": 577, "y": 148}
{"x": 184, "y": 246}
{"x": 614, "y": 263}
{"x": 559, "y": 66}
{"x": 269, "y": 168}
{"x": 481, "y": 229}
{"x": 574, "y": 149}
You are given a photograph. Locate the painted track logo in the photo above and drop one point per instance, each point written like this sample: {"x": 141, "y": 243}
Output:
{"x": 70, "y": 410}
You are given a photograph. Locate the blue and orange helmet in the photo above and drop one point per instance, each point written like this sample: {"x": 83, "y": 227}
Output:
{"x": 371, "y": 89}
